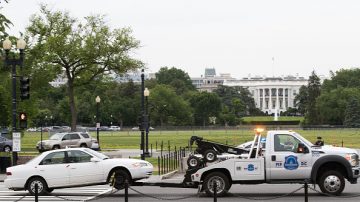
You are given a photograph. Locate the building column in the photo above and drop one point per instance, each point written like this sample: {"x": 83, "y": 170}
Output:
{"x": 277, "y": 99}
{"x": 289, "y": 97}
{"x": 258, "y": 98}
{"x": 263, "y": 107}
{"x": 284, "y": 105}
{"x": 270, "y": 98}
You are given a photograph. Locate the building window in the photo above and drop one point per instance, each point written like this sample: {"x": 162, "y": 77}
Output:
{"x": 273, "y": 92}
{"x": 280, "y": 92}
{"x": 294, "y": 92}
{"x": 286, "y": 92}
{"x": 261, "y": 92}
{"x": 267, "y": 92}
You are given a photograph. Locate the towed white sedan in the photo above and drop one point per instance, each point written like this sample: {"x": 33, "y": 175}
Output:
{"x": 74, "y": 167}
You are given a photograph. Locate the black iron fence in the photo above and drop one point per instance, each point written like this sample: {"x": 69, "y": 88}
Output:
{"x": 170, "y": 161}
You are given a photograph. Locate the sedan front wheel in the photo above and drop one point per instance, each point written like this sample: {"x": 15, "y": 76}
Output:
{"x": 119, "y": 178}
{"x": 41, "y": 186}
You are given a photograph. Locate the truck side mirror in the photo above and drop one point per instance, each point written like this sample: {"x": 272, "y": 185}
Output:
{"x": 302, "y": 148}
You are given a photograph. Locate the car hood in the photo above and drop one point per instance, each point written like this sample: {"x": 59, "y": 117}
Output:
{"x": 334, "y": 150}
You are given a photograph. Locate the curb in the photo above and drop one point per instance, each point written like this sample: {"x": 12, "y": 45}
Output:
{"x": 168, "y": 175}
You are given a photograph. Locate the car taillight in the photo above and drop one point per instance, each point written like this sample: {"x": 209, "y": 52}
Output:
{"x": 8, "y": 173}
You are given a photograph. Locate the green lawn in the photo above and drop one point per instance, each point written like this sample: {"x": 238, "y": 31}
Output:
{"x": 131, "y": 140}
{"x": 271, "y": 118}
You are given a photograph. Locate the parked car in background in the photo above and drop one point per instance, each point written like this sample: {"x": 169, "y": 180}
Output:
{"x": 5, "y": 144}
{"x": 31, "y": 129}
{"x": 94, "y": 143}
{"x": 65, "y": 139}
{"x": 55, "y": 169}
{"x": 137, "y": 128}
{"x": 114, "y": 128}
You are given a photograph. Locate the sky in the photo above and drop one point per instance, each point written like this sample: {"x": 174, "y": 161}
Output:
{"x": 240, "y": 37}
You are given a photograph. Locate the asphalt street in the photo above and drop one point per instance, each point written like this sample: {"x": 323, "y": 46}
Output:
{"x": 263, "y": 192}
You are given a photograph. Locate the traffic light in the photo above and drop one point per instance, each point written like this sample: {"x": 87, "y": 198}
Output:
{"x": 24, "y": 88}
{"x": 23, "y": 120}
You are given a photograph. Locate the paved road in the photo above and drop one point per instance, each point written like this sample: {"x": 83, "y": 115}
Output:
{"x": 155, "y": 194}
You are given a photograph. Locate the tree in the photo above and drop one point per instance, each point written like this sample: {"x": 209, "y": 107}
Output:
{"x": 168, "y": 107}
{"x": 332, "y": 105}
{"x": 352, "y": 113}
{"x": 312, "y": 114}
{"x": 205, "y": 105}
{"x": 301, "y": 99}
{"x": 176, "y": 78}
{"x": 346, "y": 78}
{"x": 82, "y": 51}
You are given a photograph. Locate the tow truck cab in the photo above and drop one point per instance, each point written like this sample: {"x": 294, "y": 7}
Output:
{"x": 286, "y": 158}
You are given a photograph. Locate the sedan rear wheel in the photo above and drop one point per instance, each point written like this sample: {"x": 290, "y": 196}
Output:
{"x": 41, "y": 186}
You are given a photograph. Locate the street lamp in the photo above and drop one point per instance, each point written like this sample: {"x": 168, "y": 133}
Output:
{"x": 13, "y": 62}
{"x": 97, "y": 100}
{"x": 143, "y": 117}
{"x": 147, "y": 123}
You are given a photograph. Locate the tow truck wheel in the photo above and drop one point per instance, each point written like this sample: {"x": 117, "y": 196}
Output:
{"x": 332, "y": 182}
{"x": 193, "y": 162}
{"x": 210, "y": 155}
{"x": 222, "y": 184}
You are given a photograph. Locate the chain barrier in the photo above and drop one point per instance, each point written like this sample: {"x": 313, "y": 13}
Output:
{"x": 163, "y": 198}
{"x": 330, "y": 195}
{"x": 270, "y": 198}
{"x": 20, "y": 199}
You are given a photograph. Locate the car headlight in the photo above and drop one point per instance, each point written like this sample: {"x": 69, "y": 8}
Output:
{"x": 139, "y": 164}
{"x": 353, "y": 159}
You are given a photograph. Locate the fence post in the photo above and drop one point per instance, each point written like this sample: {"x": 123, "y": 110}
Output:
{"x": 162, "y": 164}
{"x": 342, "y": 142}
{"x": 156, "y": 145}
{"x": 126, "y": 190}
{"x": 151, "y": 151}
{"x": 306, "y": 191}
{"x": 169, "y": 146}
{"x": 162, "y": 145}
{"x": 215, "y": 190}
{"x": 36, "y": 193}
{"x": 159, "y": 165}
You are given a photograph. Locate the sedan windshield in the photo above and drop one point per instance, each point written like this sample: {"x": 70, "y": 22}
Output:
{"x": 56, "y": 136}
{"x": 97, "y": 154}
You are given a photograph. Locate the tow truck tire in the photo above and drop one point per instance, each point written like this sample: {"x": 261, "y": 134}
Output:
{"x": 332, "y": 182}
{"x": 193, "y": 162}
{"x": 222, "y": 181}
{"x": 210, "y": 155}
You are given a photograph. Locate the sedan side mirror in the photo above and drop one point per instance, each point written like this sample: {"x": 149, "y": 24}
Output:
{"x": 94, "y": 159}
{"x": 302, "y": 148}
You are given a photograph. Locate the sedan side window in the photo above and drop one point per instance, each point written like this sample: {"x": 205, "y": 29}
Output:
{"x": 66, "y": 137}
{"x": 75, "y": 136}
{"x": 54, "y": 158}
{"x": 76, "y": 156}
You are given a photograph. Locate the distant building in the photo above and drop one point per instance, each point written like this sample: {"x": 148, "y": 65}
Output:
{"x": 59, "y": 81}
{"x": 271, "y": 94}
{"x": 210, "y": 81}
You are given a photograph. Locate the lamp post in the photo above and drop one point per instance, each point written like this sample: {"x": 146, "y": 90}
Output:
{"x": 97, "y": 100}
{"x": 13, "y": 62}
{"x": 143, "y": 121}
{"x": 147, "y": 123}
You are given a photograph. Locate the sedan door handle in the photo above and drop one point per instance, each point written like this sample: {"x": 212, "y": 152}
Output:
{"x": 273, "y": 158}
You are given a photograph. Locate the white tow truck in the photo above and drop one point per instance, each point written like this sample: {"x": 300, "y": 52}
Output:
{"x": 284, "y": 157}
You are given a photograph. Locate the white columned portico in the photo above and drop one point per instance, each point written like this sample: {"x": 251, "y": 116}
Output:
{"x": 263, "y": 107}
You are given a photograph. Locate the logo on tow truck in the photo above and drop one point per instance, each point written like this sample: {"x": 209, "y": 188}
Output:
{"x": 291, "y": 163}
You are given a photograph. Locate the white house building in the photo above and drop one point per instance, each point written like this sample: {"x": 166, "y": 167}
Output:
{"x": 271, "y": 94}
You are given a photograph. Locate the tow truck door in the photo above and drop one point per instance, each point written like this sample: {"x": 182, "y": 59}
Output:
{"x": 283, "y": 160}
